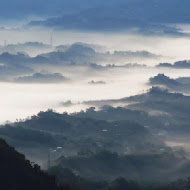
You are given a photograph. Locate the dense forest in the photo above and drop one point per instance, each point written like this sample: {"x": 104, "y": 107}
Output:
{"x": 111, "y": 148}
{"x": 19, "y": 173}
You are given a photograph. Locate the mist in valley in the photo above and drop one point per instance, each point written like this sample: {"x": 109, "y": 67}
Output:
{"x": 100, "y": 106}
{"x": 22, "y": 100}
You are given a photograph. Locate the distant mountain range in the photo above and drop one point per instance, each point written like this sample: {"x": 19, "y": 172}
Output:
{"x": 152, "y": 10}
{"x": 147, "y": 15}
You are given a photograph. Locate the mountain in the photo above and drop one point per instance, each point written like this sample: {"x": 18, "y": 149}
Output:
{"x": 151, "y": 168}
{"x": 65, "y": 175}
{"x": 161, "y": 79}
{"x": 147, "y": 15}
{"x": 48, "y": 130}
{"x": 19, "y": 174}
{"x": 77, "y": 53}
{"x": 42, "y": 78}
{"x": 27, "y": 47}
{"x": 91, "y": 21}
{"x": 177, "y": 85}
{"x": 177, "y": 65}
{"x": 158, "y": 109}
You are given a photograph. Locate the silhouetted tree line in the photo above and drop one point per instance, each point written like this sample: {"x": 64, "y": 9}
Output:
{"x": 17, "y": 173}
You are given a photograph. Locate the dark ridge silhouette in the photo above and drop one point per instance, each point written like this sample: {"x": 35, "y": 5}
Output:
{"x": 177, "y": 85}
{"x": 17, "y": 173}
{"x": 42, "y": 78}
{"x": 161, "y": 79}
{"x": 177, "y": 65}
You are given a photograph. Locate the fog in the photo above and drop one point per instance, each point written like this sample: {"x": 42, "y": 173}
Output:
{"x": 95, "y": 95}
{"x": 172, "y": 47}
{"x": 23, "y": 100}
